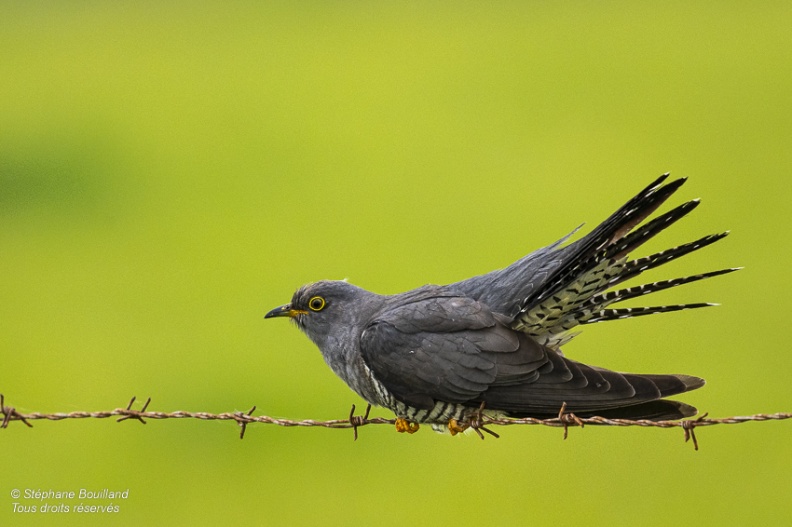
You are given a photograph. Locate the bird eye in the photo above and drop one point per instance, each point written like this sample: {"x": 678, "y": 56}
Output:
{"x": 316, "y": 303}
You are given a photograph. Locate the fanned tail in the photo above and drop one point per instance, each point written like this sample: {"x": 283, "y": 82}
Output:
{"x": 577, "y": 290}
{"x": 586, "y": 253}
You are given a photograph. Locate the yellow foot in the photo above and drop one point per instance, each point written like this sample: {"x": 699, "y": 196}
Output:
{"x": 403, "y": 425}
{"x": 454, "y": 427}
{"x": 475, "y": 421}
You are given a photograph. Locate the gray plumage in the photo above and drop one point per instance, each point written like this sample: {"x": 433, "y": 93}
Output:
{"x": 438, "y": 353}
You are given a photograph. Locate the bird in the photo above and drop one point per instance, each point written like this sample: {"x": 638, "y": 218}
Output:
{"x": 444, "y": 355}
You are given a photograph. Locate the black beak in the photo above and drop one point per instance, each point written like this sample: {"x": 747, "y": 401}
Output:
{"x": 284, "y": 311}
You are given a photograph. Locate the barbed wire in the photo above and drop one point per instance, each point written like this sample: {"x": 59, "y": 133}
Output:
{"x": 478, "y": 423}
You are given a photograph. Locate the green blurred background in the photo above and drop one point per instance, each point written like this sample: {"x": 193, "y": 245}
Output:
{"x": 169, "y": 172}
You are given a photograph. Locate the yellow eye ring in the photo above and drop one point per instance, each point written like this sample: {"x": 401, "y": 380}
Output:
{"x": 316, "y": 303}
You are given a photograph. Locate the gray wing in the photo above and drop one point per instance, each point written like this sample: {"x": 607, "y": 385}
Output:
{"x": 452, "y": 349}
{"x": 449, "y": 349}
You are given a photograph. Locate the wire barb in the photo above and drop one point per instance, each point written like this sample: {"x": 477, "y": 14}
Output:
{"x": 243, "y": 421}
{"x": 134, "y": 414}
{"x": 356, "y": 420}
{"x": 477, "y": 423}
{"x": 689, "y": 426}
{"x": 568, "y": 418}
{"x": 10, "y": 414}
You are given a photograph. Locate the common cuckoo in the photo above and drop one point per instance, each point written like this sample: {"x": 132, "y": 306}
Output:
{"x": 443, "y": 354}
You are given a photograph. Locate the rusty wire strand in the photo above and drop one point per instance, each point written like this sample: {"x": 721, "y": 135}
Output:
{"x": 564, "y": 419}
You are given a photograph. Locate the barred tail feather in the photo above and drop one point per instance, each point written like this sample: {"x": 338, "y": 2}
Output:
{"x": 635, "y": 267}
{"x": 631, "y": 312}
{"x": 635, "y": 239}
{"x": 610, "y": 297}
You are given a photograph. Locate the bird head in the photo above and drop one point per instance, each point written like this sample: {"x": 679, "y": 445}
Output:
{"x": 324, "y": 309}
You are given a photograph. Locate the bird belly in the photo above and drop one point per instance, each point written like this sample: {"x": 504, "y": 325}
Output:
{"x": 440, "y": 413}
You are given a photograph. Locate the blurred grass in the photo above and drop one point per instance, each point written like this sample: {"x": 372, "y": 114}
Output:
{"x": 169, "y": 172}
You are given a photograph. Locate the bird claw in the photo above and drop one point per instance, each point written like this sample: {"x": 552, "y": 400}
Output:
{"x": 474, "y": 421}
{"x": 455, "y": 427}
{"x": 403, "y": 425}
{"x": 357, "y": 420}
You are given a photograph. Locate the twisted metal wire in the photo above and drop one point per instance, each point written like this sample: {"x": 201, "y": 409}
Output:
{"x": 564, "y": 419}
